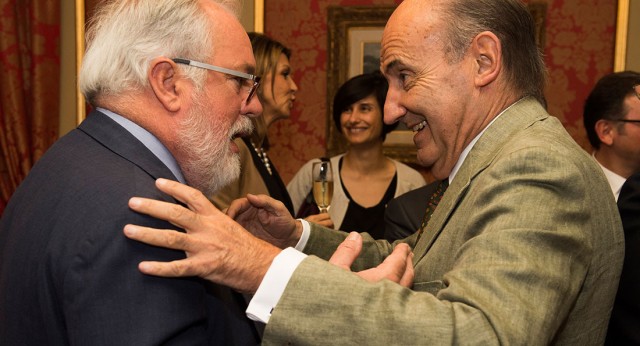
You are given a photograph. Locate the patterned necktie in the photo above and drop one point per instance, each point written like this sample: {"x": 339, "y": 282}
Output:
{"x": 432, "y": 204}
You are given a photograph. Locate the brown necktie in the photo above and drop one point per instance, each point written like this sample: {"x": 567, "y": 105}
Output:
{"x": 432, "y": 204}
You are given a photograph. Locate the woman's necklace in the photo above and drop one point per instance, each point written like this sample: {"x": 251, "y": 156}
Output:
{"x": 262, "y": 154}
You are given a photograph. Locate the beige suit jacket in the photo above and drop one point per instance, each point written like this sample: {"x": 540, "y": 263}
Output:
{"x": 525, "y": 248}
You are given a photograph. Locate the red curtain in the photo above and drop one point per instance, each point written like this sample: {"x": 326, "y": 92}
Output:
{"x": 29, "y": 86}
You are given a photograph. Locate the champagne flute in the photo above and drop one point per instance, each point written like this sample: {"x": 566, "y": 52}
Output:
{"x": 322, "y": 185}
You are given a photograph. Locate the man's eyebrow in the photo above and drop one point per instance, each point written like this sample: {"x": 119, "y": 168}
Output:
{"x": 248, "y": 68}
{"x": 390, "y": 66}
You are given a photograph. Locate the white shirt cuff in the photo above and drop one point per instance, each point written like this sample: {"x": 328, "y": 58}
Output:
{"x": 304, "y": 237}
{"x": 274, "y": 282}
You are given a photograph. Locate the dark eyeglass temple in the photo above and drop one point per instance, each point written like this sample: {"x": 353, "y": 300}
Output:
{"x": 180, "y": 61}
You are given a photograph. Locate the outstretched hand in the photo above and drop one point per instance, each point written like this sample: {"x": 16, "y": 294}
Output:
{"x": 217, "y": 247}
{"x": 397, "y": 267}
{"x": 267, "y": 219}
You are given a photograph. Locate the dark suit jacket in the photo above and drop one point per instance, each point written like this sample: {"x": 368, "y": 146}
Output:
{"x": 68, "y": 275}
{"x": 404, "y": 214}
{"x": 624, "y": 326}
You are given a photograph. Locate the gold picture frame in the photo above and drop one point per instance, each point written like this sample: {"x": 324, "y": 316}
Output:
{"x": 627, "y": 55}
{"x": 350, "y": 29}
{"x": 81, "y": 109}
{"x": 252, "y": 18}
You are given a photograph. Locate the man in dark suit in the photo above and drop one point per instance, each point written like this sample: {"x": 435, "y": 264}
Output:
{"x": 67, "y": 275}
{"x": 612, "y": 122}
{"x": 404, "y": 214}
{"x": 625, "y": 317}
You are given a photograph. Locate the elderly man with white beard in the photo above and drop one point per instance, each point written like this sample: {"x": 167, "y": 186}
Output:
{"x": 171, "y": 83}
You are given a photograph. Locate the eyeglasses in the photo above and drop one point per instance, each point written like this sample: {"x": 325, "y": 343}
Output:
{"x": 636, "y": 89}
{"x": 254, "y": 81}
{"x": 628, "y": 121}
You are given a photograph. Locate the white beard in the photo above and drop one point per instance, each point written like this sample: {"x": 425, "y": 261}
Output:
{"x": 210, "y": 164}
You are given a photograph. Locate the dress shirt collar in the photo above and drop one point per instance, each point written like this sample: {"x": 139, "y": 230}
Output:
{"x": 150, "y": 141}
{"x": 615, "y": 181}
{"x": 466, "y": 150}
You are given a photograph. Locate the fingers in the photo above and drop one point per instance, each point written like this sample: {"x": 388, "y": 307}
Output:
{"x": 176, "y": 214}
{"x": 348, "y": 251}
{"x": 326, "y": 223}
{"x": 162, "y": 238}
{"x": 397, "y": 267}
{"x": 238, "y": 207}
{"x": 407, "y": 277}
{"x": 400, "y": 253}
{"x": 173, "y": 269}
{"x": 264, "y": 202}
{"x": 272, "y": 205}
{"x": 322, "y": 219}
{"x": 260, "y": 201}
{"x": 193, "y": 198}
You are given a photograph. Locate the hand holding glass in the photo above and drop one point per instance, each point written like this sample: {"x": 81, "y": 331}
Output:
{"x": 322, "y": 185}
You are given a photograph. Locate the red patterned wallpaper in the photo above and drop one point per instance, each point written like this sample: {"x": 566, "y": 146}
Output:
{"x": 579, "y": 50}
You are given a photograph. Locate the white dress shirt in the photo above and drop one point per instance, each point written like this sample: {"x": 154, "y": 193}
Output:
{"x": 615, "y": 181}
{"x": 150, "y": 141}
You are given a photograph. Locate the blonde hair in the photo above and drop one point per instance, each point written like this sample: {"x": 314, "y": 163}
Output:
{"x": 267, "y": 52}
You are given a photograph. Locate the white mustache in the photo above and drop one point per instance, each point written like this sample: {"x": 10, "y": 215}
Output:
{"x": 242, "y": 126}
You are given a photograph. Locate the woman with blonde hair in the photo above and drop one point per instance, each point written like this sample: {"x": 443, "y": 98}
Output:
{"x": 277, "y": 92}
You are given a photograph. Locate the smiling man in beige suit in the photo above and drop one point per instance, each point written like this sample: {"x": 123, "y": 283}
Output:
{"x": 525, "y": 247}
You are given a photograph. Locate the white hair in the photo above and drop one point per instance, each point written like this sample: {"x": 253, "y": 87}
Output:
{"x": 125, "y": 35}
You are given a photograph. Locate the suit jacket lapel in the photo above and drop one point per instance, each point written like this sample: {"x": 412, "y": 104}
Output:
{"x": 117, "y": 139}
{"x": 520, "y": 115}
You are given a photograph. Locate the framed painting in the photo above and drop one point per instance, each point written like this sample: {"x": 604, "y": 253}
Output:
{"x": 251, "y": 17}
{"x": 354, "y": 35}
{"x": 627, "y": 55}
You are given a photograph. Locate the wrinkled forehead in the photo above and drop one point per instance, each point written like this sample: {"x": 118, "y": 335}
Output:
{"x": 413, "y": 25}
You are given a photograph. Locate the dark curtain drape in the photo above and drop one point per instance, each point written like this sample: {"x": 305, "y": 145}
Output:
{"x": 29, "y": 86}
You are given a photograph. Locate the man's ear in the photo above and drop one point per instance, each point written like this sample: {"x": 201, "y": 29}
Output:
{"x": 487, "y": 52}
{"x": 604, "y": 129}
{"x": 166, "y": 87}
